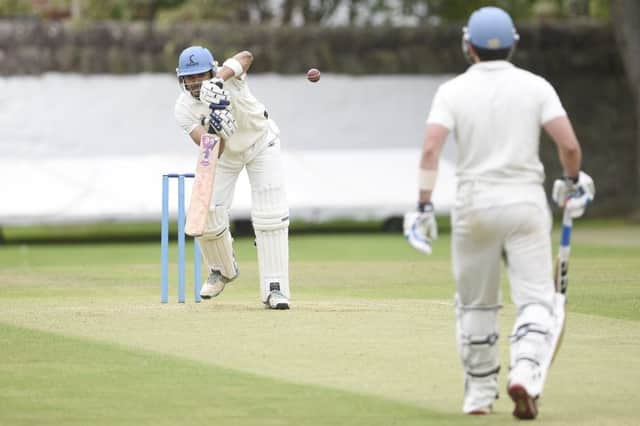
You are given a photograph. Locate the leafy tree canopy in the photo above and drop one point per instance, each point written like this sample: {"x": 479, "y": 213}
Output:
{"x": 300, "y": 12}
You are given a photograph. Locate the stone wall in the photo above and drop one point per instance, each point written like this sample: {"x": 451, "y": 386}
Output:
{"x": 581, "y": 61}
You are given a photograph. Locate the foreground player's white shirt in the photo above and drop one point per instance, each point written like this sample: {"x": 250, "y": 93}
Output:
{"x": 495, "y": 111}
{"x": 248, "y": 111}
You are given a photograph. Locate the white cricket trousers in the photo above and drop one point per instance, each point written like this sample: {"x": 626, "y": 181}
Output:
{"x": 264, "y": 165}
{"x": 481, "y": 237}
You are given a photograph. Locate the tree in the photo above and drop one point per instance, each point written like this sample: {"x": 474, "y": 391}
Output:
{"x": 14, "y": 8}
{"x": 625, "y": 15}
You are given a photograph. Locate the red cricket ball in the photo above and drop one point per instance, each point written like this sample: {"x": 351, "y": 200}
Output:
{"x": 313, "y": 75}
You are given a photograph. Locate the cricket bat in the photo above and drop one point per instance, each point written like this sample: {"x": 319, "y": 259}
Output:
{"x": 201, "y": 192}
{"x": 562, "y": 280}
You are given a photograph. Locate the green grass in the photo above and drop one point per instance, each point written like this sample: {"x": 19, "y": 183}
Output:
{"x": 49, "y": 379}
{"x": 370, "y": 338}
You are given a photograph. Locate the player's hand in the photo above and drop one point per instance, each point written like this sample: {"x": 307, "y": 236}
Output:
{"x": 222, "y": 123}
{"x": 212, "y": 93}
{"x": 420, "y": 228}
{"x": 574, "y": 195}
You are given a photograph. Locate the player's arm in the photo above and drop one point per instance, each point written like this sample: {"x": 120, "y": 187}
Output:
{"x": 190, "y": 123}
{"x": 420, "y": 227}
{"x": 220, "y": 122}
{"x": 576, "y": 190}
{"x": 434, "y": 138}
{"x": 235, "y": 66}
{"x": 197, "y": 133}
{"x": 561, "y": 132}
{"x": 212, "y": 93}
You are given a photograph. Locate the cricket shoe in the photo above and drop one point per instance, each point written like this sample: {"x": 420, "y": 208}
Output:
{"x": 277, "y": 300}
{"x": 215, "y": 284}
{"x": 522, "y": 377}
{"x": 526, "y": 407}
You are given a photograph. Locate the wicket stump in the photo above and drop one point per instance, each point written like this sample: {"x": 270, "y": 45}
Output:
{"x": 181, "y": 241}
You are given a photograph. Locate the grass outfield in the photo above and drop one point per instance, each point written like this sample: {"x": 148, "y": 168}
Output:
{"x": 369, "y": 339}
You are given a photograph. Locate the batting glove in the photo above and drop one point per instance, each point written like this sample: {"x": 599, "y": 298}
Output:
{"x": 212, "y": 93}
{"x": 420, "y": 228}
{"x": 222, "y": 123}
{"x": 574, "y": 194}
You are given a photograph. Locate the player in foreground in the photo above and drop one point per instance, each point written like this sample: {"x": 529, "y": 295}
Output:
{"x": 495, "y": 111}
{"x": 216, "y": 99}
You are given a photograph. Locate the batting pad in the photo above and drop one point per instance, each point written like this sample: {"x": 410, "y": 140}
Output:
{"x": 272, "y": 240}
{"x": 532, "y": 339}
{"x": 477, "y": 338}
{"x": 216, "y": 243}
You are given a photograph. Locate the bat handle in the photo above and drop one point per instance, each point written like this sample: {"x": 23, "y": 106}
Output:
{"x": 567, "y": 226}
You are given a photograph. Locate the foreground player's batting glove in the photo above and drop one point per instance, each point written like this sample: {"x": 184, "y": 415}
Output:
{"x": 420, "y": 228}
{"x": 574, "y": 194}
{"x": 212, "y": 93}
{"x": 222, "y": 123}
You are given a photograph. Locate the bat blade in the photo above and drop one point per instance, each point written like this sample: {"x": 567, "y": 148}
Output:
{"x": 201, "y": 192}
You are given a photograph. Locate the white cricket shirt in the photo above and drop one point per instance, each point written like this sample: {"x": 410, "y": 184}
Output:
{"x": 248, "y": 111}
{"x": 495, "y": 111}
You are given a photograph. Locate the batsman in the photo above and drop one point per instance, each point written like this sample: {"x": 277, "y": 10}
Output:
{"x": 217, "y": 106}
{"x": 496, "y": 111}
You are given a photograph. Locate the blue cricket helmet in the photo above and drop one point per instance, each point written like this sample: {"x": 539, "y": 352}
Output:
{"x": 195, "y": 60}
{"x": 491, "y": 28}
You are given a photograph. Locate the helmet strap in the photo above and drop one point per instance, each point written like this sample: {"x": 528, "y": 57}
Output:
{"x": 465, "y": 46}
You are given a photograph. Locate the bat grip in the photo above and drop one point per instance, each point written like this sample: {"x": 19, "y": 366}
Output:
{"x": 567, "y": 226}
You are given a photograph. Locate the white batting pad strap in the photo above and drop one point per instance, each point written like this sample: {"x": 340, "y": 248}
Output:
{"x": 477, "y": 338}
{"x": 272, "y": 240}
{"x": 270, "y": 222}
{"x": 217, "y": 244}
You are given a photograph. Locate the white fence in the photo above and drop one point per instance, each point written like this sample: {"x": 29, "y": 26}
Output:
{"x": 90, "y": 149}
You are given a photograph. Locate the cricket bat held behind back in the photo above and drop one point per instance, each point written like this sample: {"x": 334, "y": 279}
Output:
{"x": 198, "y": 212}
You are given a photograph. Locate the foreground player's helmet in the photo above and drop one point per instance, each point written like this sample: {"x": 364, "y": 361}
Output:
{"x": 489, "y": 28}
{"x": 195, "y": 60}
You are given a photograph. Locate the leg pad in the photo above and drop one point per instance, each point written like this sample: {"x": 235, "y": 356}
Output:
{"x": 217, "y": 244}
